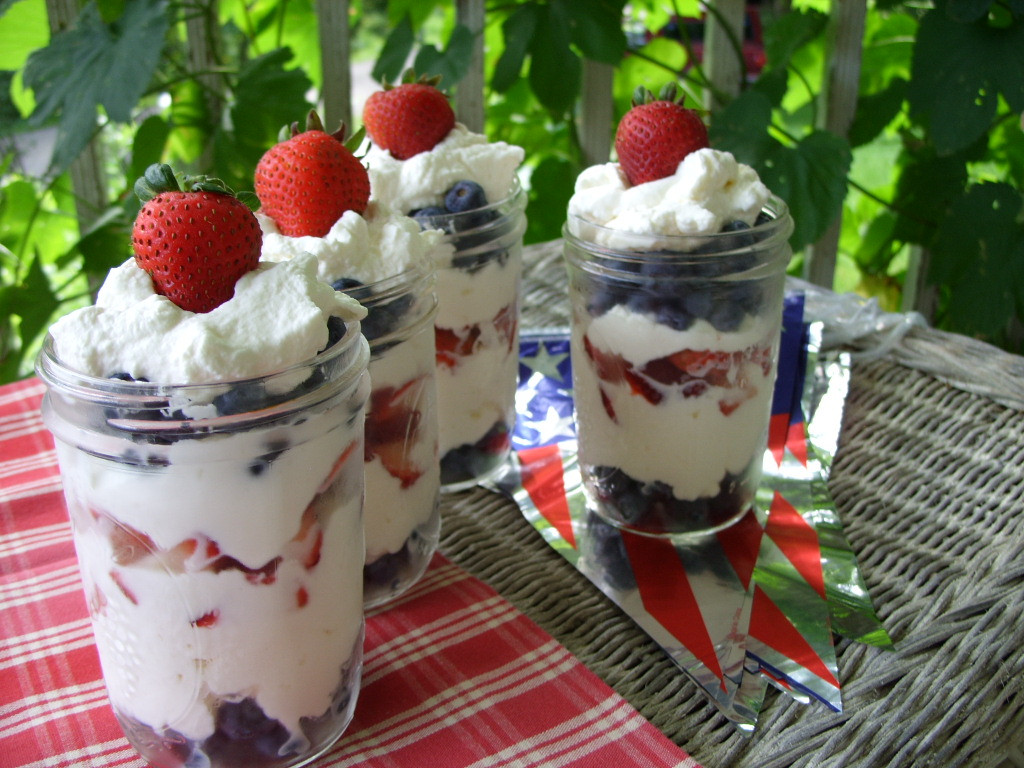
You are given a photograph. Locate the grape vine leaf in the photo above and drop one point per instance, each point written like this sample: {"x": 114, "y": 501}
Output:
{"x": 958, "y": 72}
{"x": 93, "y": 64}
{"x": 978, "y": 253}
{"x": 517, "y": 31}
{"x": 555, "y": 70}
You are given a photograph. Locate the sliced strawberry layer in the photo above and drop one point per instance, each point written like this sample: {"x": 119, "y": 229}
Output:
{"x": 394, "y": 425}
{"x": 691, "y": 372}
{"x": 454, "y": 344}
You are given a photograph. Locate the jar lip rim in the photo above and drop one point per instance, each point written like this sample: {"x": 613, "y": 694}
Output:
{"x": 55, "y": 373}
{"x": 779, "y": 227}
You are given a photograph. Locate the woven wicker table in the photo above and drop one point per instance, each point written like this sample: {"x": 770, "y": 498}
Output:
{"x": 929, "y": 483}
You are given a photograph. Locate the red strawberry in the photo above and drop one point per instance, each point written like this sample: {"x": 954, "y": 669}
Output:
{"x": 194, "y": 242}
{"x": 306, "y": 182}
{"x": 409, "y": 118}
{"x": 656, "y": 134}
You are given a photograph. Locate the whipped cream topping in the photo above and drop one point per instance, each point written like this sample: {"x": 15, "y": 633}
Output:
{"x": 708, "y": 190}
{"x": 423, "y": 179}
{"x": 371, "y": 247}
{"x": 277, "y": 318}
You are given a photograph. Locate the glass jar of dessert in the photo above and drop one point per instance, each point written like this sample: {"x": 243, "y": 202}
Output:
{"x": 674, "y": 349}
{"x": 402, "y": 517}
{"x": 219, "y": 534}
{"x": 477, "y": 329}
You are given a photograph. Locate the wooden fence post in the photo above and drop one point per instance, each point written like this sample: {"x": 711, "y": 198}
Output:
{"x": 596, "y": 112}
{"x": 332, "y": 23}
{"x": 838, "y": 104}
{"x": 469, "y": 96}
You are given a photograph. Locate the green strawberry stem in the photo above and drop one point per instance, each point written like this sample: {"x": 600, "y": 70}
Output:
{"x": 159, "y": 177}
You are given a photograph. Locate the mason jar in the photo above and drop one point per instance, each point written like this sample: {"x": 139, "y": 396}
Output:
{"x": 674, "y": 351}
{"x": 477, "y": 336}
{"x": 219, "y": 536}
{"x": 402, "y": 517}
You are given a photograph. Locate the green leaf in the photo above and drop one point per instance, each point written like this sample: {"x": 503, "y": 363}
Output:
{"x": 958, "y": 72}
{"x": 597, "y": 29}
{"x": 453, "y": 63}
{"x": 92, "y": 65}
{"x": 927, "y": 185}
{"x": 790, "y": 32}
{"x": 267, "y": 96}
{"x": 148, "y": 145}
{"x": 517, "y": 31}
{"x": 741, "y": 127}
{"x": 34, "y": 301}
{"x": 811, "y": 178}
{"x": 977, "y": 254}
{"x": 24, "y": 29}
{"x": 395, "y": 52}
{"x": 555, "y": 71}
{"x": 551, "y": 185}
{"x": 876, "y": 111}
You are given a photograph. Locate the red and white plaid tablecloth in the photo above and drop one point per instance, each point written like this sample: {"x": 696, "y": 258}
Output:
{"x": 454, "y": 675}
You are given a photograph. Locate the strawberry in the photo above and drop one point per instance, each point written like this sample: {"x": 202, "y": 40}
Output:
{"x": 307, "y": 181}
{"x": 656, "y": 134}
{"x": 195, "y": 239}
{"x": 409, "y": 118}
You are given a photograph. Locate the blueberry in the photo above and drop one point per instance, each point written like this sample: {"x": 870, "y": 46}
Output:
{"x": 336, "y": 330}
{"x": 671, "y": 314}
{"x": 726, "y": 316}
{"x": 464, "y": 196}
{"x": 124, "y": 376}
{"x": 241, "y": 399}
{"x": 346, "y": 284}
{"x": 262, "y": 463}
{"x": 428, "y": 212}
{"x": 699, "y": 302}
{"x": 245, "y": 735}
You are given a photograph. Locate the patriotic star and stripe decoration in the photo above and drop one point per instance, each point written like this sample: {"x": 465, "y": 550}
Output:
{"x": 754, "y": 606}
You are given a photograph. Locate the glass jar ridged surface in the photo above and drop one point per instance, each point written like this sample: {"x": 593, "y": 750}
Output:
{"x": 219, "y": 535}
{"x": 674, "y": 349}
{"x": 402, "y": 518}
{"x": 477, "y": 337}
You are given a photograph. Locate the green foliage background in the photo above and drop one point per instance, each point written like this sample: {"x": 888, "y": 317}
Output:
{"x": 933, "y": 163}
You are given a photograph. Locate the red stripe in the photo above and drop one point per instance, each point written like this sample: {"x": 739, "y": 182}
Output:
{"x": 742, "y": 543}
{"x": 797, "y": 540}
{"x": 543, "y": 478}
{"x": 778, "y": 430}
{"x": 771, "y": 626}
{"x": 667, "y": 595}
{"x": 796, "y": 441}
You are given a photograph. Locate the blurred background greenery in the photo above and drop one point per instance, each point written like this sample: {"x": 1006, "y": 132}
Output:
{"x": 929, "y": 176}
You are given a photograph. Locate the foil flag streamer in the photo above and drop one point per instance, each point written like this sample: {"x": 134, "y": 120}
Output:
{"x": 751, "y": 606}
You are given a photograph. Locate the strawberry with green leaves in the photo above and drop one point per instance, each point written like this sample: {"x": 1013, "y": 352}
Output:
{"x": 194, "y": 239}
{"x": 408, "y": 118}
{"x": 309, "y": 179}
{"x": 656, "y": 134}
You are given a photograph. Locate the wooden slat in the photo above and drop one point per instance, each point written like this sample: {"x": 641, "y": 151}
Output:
{"x": 723, "y": 64}
{"x": 839, "y": 102}
{"x": 596, "y": 112}
{"x": 469, "y": 96}
{"x": 332, "y": 18}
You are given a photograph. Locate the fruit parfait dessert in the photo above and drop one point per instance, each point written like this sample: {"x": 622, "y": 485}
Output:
{"x": 424, "y": 163}
{"x": 208, "y": 415}
{"x": 385, "y": 261}
{"x": 676, "y": 257}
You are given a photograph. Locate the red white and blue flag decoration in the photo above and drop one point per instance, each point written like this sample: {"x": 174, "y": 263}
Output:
{"x": 755, "y": 605}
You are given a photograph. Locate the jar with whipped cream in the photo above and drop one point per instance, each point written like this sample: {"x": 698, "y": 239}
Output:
{"x": 219, "y": 535}
{"x": 477, "y": 335}
{"x": 674, "y": 349}
{"x": 402, "y": 518}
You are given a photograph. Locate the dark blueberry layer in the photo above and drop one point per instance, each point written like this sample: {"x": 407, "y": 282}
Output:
{"x": 677, "y": 295}
{"x": 653, "y": 507}
{"x": 469, "y": 461}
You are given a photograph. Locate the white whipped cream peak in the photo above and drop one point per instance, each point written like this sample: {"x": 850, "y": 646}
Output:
{"x": 371, "y": 247}
{"x": 277, "y": 318}
{"x": 422, "y": 179}
{"x": 708, "y": 190}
